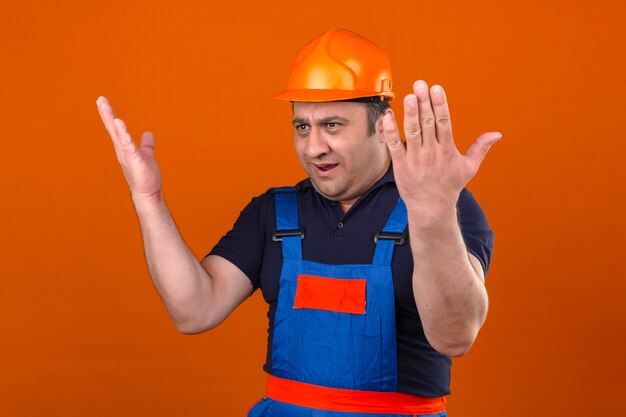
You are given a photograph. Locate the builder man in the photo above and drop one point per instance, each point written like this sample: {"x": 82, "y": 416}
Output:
{"x": 369, "y": 294}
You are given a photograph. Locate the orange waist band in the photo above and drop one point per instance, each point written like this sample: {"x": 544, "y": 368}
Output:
{"x": 338, "y": 399}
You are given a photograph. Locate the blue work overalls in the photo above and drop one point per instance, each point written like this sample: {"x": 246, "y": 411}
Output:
{"x": 334, "y": 329}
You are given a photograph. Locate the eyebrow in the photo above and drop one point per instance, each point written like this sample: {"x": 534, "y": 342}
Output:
{"x": 299, "y": 121}
{"x": 328, "y": 119}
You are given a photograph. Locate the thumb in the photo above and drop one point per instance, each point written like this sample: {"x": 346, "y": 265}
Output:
{"x": 147, "y": 143}
{"x": 477, "y": 152}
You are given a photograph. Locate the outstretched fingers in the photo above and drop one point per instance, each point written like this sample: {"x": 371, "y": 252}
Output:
{"x": 105, "y": 110}
{"x": 442, "y": 115}
{"x": 123, "y": 136}
{"x": 426, "y": 115}
{"x": 106, "y": 114}
{"x": 412, "y": 127}
{"x": 125, "y": 147}
{"x": 392, "y": 137}
{"x": 140, "y": 169}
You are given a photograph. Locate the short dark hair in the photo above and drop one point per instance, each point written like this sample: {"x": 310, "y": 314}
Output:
{"x": 376, "y": 106}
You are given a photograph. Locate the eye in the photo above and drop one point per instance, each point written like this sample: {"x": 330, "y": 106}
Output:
{"x": 302, "y": 126}
{"x": 333, "y": 125}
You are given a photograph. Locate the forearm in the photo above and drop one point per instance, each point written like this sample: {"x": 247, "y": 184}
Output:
{"x": 182, "y": 283}
{"x": 449, "y": 293}
{"x": 198, "y": 297}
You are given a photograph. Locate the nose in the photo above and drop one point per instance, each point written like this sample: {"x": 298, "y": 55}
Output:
{"x": 316, "y": 144}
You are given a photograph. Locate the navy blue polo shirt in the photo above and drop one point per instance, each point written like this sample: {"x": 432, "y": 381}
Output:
{"x": 335, "y": 237}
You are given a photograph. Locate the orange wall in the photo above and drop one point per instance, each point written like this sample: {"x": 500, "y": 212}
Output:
{"x": 83, "y": 330}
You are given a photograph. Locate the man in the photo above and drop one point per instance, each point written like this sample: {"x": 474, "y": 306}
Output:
{"x": 369, "y": 294}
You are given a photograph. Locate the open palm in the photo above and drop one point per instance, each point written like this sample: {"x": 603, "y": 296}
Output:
{"x": 140, "y": 168}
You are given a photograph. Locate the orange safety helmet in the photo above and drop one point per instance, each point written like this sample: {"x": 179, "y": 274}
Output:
{"x": 338, "y": 65}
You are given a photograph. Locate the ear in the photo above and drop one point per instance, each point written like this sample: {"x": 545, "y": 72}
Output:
{"x": 379, "y": 126}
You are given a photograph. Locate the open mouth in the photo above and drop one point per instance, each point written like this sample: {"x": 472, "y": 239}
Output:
{"x": 325, "y": 167}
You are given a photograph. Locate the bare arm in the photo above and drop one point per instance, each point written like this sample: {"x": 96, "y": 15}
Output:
{"x": 198, "y": 296}
{"x": 448, "y": 282}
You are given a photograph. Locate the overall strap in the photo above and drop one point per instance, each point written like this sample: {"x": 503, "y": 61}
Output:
{"x": 393, "y": 233}
{"x": 287, "y": 224}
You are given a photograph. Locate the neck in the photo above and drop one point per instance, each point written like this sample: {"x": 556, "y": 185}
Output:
{"x": 346, "y": 205}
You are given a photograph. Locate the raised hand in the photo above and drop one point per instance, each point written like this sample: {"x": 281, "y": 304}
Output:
{"x": 429, "y": 170}
{"x": 140, "y": 168}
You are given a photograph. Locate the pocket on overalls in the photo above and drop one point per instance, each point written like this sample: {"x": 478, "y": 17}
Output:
{"x": 326, "y": 343}
{"x": 330, "y": 294}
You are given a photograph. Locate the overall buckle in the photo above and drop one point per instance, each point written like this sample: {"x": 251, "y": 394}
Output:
{"x": 398, "y": 238}
{"x": 278, "y": 235}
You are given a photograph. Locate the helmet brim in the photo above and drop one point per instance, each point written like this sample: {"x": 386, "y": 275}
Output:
{"x": 327, "y": 95}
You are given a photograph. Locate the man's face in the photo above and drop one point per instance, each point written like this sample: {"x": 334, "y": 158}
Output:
{"x": 335, "y": 148}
